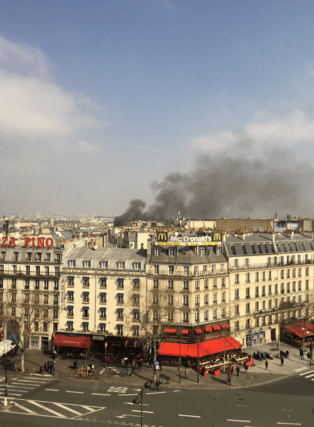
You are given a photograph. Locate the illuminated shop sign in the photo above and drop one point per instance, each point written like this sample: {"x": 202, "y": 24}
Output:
{"x": 32, "y": 242}
{"x": 211, "y": 240}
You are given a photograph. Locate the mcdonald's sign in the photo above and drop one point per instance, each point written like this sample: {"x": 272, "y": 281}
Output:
{"x": 162, "y": 236}
{"x": 216, "y": 237}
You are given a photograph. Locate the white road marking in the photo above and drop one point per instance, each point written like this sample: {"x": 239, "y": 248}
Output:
{"x": 29, "y": 382}
{"x": 12, "y": 394}
{"x": 144, "y": 412}
{"x": 290, "y": 424}
{"x": 300, "y": 369}
{"x": 77, "y": 392}
{"x": 37, "y": 379}
{"x": 22, "y": 386}
{"x": 113, "y": 389}
{"x": 157, "y": 392}
{"x": 176, "y": 391}
{"x": 51, "y": 389}
{"x": 47, "y": 409}
{"x": 69, "y": 409}
{"x": 240, "y": 421}
{"x": 309, "y": 376}
{"x": 190, "y": 416}
{"x": 130, "y": 403}
{"x": 100, "y": 394}
{"x": 127, "y": 394}
{"x": 304, "y": 373}
{"x": 89, "y": 408}
{"x": 25, "y": 409}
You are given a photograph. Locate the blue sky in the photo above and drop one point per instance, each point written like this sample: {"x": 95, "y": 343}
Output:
{"x": 99, "y": 99}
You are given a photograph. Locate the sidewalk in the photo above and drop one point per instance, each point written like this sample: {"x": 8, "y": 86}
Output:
{"x": 257, "y": 374}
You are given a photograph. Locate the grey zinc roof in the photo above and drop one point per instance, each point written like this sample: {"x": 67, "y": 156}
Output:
{"x": 107, "y": 254}
{"x": 263, "y": 244}
{"x": 186, "y": 255}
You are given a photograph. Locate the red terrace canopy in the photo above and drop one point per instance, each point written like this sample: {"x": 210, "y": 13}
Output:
{"x": 225, "y": 326}
{"x": 208, "y": 329}
{"x": 198, "y": 331}
{"x": 170, "y": 331}
{"x": 205, "y": 348}
{"x": 298, "y": 330}
{"x": 66, "y": 341}
{"x": 216, "y": 328}
{"x": 184, "y": 331}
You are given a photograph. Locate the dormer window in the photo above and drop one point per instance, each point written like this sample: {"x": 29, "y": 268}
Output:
{"x": 86, "y": 264}
{"x": 71, "y": 263}
{"x": 171, "y": 252}
{"x": 157, "y": 251}
{"x": 103, "y": 264}
{"x": 201, "y": 251}
{"x": 121, "y": 265}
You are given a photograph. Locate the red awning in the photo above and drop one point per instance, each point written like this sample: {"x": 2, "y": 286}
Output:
{"x": 225, "y": 326}
{"x": 208, "y": 329}
{"x": 298, "y": 330}
{"x": 170, "y": 331}
{"x": 67, "y": 341}
{"x": 216, "y": 328}
{"x": 205, "y": 348}
{"x": 198, "y": 331}
{"x": 184, "y": 331}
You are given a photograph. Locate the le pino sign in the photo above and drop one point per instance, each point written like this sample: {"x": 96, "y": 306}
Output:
{"x": 29, "y": 242}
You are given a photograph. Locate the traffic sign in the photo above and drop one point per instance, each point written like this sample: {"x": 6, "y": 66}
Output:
{"x": 156, "y": 363}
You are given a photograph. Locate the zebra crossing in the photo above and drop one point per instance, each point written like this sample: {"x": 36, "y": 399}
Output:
{"x": 43, "y": 408}
{"x": 309, "y": 374}
{"x": 18, "y": 387}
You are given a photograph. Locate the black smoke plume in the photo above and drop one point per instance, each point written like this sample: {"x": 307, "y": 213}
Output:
{"x": 230, "y": 187}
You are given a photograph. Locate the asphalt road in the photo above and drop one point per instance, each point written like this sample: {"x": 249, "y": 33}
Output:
{"x": 284, "y": 403}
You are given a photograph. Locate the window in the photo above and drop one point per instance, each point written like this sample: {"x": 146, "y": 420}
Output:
{"x": 170, "y": 299}
{"x": 197, "y": 300}
{"x": 205, "y": 284}
{"x": 269, "y": 275}
{"x": 288, "y": 274}
{"x": 103, "y": 313}
{"x": 186, "y": 317}
{"x": 236, "y": 294}
{"x": 247, "y": 325}
{"x": 46, "y": 285}
{"x": 87, "y": 264}
{"x": 156, "y": 284}
{"x": 28, "y": 270}
{"x": 55, "y": 313}
{"x": 71, "y": 280}
{"x": 235, "y": 263}
{"x": 204, "y": 269}
{"x": 45, "y": 313}
{"x": 103, "y": 298}
{"x": 247, "y": 308}
{"x": 26, "y": 284}
{"x": 120, "y": 298}
{"x": 222, "y": 268}
{"x": 46, "y": 298}
{"x": 236, "y": 279}
{"x": 300, "y": 272}
{"x": 196, "y": 270}
{"x": 121, "y": 265}
{"x": 282, "y": 288}
{"x": 186, "y": 301}
{"x": 56, "y": 285}
{"x": 205, "y": 316}
{"x": 46, "y": 271}
{"x": 120, "y": 283}
{"x": 269, "y": 304}
{"x": 136, "y": 265}
{"x": 156, "y": 269}
{"x": 14, "y": 297}
{"x": 206, "y": 299}
{"x": 170, "y": 284}
{"x": 14, "y": 269}
{"x": 13, "y": 311}
{"x": 257, "y": 321}
{"x": 282, "y": 274}
{"x": 70, "y": 311}
{"x": 70, "y": 296}
{"x": 157, "y": 251}
{"x": 120, "y": 313}
{"x": 214, "y": 298}
{"x": 256, "y": 277}
{"x": 233, "y": 250}
{"x": 103, "y": 282}
{"x": 85, "y": 281}
{"x": 223, "y": 297}
{"x": 307, "y": 271}
{"x": 1, "y": 283}
{"x": 256, "y": 291}
{"x": 45, "y": 327}
{"x": 269, "y": 289}
{"x": 155, "y": 315}
{"x": 247, "y": 263}
{"x": 244, "y": 249}
{"x": 103, "y": 264}
{"x": 71, "y": 263}
{"x": 263, "y": 291}
{"x": 85, "y": 327}
{"x": 257, "y": 306}
{"x": 13, "y": 285}
{"x": 263, "y": 276}
{"x": 299, "y": 286}
{"x": 264, "y": 305}
{"x": 247, "y": 277}
{"x": 155, "y": 299}
{"x": 237, "y": 310}
{"x": 197, "y": 316}
{"x": 85, "y": 312}
{"x": 102, "y": 327}
{"x": 136, "y": 332}
{"x": 136, "y": 299}
{"x": 247, "y": 293}
{"x": 223, "y": 282}
{"x": 288, "y": 287}
{"x": 214, "y": 283}
{"x": 197, "y": 284}
{"x": 70, "y": 326}
{"x": 276, "y": 289}
{"x": 223, "y": 313}
{"x": 186, "y": 270}
{"x": 201, "y": 251}
{"x": 171, "y": 252}
{"x": 85, "y": 297}
{"x": 28, "y": 256}
{"x": 236, "y": 326}
{"x": 120, "y": 329}
{"x": 213, "y": 268}
{"x": 1, "y": 296}
{"x": 57, "y": 271}
{"x": 47, "y": 257}
{"x": 307, "y": 285}
{"x": 37, "y": 313}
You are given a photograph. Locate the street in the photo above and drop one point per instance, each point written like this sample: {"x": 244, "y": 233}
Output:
{"x": 286, "y": 402}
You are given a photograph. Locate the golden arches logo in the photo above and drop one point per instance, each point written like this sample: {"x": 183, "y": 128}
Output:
{"x": 162, "y": 236}
{"x": 217, "y": 236}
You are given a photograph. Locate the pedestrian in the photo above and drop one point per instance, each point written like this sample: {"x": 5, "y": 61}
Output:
{"x": 238, "y": 370}
{"x": 160, "y": 365}
{"x": 186, "y": 370}
{"x": 301, "y": 354}
{"x": 140, "y": 364}
{"x": 229, "y": 376}
{"x": 266, "y": 364}
{"x": 245, "y": 368}
{"x": 150, "y": 364}
{"x": 45, "y": 367}
{"x": 281, "y": 360}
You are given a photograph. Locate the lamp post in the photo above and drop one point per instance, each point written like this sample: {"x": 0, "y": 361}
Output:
{"x": 137, "y": 402}
{"x": 198, "y": 344}
{"x": 179, "y": 360}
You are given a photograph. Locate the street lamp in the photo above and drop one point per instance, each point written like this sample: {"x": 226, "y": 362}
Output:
{"x": 137, "y": 402}
{"x": 198, "y": 345}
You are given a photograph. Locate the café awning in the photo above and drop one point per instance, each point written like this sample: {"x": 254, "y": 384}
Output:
{"x": 208, "y": 329}
{"x": 170, "y": 331}
{"x": 302, "y": 330}
{"x": 206, "y": 348}
{"x": 67, "y": 341}
{"x": 184, "y": 331}
{"x": 216, "y": 328}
